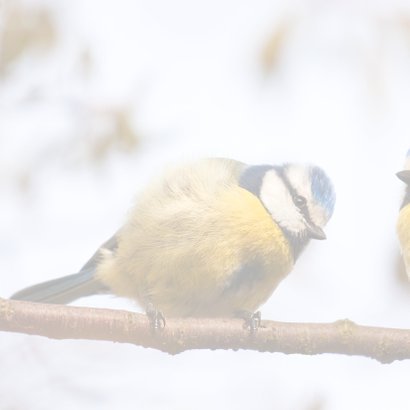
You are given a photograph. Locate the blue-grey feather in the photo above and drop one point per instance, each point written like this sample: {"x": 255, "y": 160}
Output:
{"x": 322, "y": 189}
{"x": 71, "y": 287}
{"x": 406, "y": 199}
{"x": 63, "y": 290}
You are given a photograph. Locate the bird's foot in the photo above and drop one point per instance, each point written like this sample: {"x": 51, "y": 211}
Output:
{"x": 156, "y": 318}
{"x": 252, "y": 320}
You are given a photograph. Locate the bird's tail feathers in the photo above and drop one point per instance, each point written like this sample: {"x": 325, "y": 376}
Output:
{"x": 63, "y": 290}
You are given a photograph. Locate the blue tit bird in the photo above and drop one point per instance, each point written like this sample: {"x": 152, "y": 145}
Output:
{"x": 403, "y": 221}
{"x": 212, "y": 238}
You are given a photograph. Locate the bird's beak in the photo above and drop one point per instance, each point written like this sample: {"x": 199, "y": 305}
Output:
{"x": 314, "y": 231}
{"x": 404, "y": 176}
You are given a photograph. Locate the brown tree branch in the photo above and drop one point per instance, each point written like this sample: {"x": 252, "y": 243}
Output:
{"x": 69, "y": 322}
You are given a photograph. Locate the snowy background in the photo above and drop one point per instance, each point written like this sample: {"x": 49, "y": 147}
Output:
{"x": 96, "y": 97}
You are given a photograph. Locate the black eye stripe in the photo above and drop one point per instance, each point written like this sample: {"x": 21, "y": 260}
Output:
{"x": 281, "y": 174}
{"x": 252, "y": 178}
{"x": 298, "y": 200}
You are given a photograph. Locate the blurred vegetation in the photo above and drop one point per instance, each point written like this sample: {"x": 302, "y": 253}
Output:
{"x": 274, "y": 45}
{"x": 24, "y": 29}
{"x": 94, "y": 131}
{"x": 103, "y": 133}
{"x": 118, "y": 136}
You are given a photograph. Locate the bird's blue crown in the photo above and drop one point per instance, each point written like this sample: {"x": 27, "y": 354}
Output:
{"x": 322, "y": 190}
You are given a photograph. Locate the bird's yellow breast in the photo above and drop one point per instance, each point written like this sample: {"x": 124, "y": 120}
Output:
{"x": 209, "y": 257}
{"x": 403, "y": 232}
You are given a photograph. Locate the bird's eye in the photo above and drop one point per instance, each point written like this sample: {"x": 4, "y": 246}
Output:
{"x": 300, "y": 201}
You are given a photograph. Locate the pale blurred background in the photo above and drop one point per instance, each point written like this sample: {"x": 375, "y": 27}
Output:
{"x": 96, "y": 97}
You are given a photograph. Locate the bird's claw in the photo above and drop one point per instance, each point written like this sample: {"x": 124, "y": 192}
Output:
{"x": 252, "y": 320}
{"x": 156, "y": 319}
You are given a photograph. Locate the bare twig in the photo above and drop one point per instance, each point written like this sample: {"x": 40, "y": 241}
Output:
{"x": 68, "y": 322}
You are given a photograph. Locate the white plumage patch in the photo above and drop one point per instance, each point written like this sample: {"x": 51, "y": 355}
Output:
{"x": 278, "y": 201}
{"x": 276, "y": 196}
{"x": 299, "y": 177}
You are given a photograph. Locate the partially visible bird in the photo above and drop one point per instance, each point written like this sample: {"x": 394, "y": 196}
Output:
{"x": 403, "y": 222}
{"x": 210, "y": 238}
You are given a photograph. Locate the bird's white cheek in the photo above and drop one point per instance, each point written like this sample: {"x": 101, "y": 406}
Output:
{"x": 278, "y": 201}
{"x": 285, "y": 214}
{"x": 292, "y": 224}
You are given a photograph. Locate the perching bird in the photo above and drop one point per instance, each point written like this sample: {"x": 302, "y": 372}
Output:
{"x": 211, "y": 238}
{"x": 403, "y": 222}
